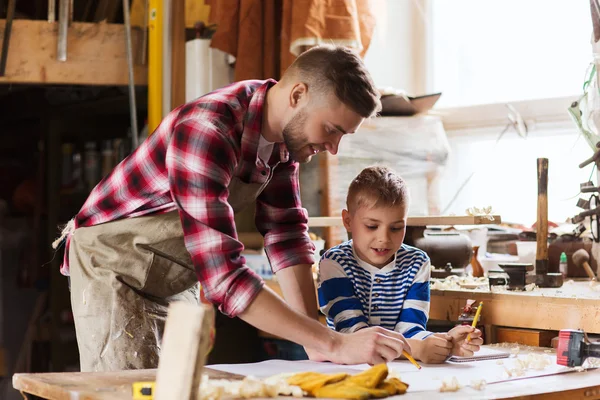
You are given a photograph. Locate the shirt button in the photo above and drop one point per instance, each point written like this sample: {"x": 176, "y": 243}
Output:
{"x": 263, "y": 173}
{"x": 376, "y": 294}
{"x": 375, "y": 307}
{"x": 377, "y": 280}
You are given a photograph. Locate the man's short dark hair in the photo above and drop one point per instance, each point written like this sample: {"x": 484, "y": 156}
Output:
{"x": 341, "y": 70}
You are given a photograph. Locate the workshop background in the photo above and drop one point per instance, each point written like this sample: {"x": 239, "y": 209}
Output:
{"x": 475, "y": 92}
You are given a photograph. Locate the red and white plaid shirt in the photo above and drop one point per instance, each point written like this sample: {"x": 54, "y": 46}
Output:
{"x": 187, "y": 164}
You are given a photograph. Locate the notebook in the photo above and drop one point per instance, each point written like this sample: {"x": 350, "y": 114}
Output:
{"x": 481, "y": 355}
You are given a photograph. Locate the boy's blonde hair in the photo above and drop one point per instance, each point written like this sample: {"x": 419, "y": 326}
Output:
{"x": 377, "y": 186}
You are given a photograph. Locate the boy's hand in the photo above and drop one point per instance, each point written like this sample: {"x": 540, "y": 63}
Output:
{"x": 460, "y": 346}
{"x": 435, "y": 348}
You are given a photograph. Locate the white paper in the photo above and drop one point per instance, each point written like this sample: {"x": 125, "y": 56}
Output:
{"x": 428, "y": 378}
{"x": 481, "y": 355}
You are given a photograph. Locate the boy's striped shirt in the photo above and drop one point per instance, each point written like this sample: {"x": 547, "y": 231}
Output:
{"x": 353, "y": 294}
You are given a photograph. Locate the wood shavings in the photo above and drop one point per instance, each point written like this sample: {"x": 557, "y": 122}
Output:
{"x": 531, "y": 287}
{"x": 477, "y": 212}
{"x": 592, "y": 363}
{"x": 247, "y": 388}
{"x": 454, "y": 282}
{"x": 478, "y": 384}
{"x": 515, "y": 351}
{"x": 532, "y": 361}
{"x": 450, "y": 385}
{"x": 579, "y": 369}
{"x": 500, "y": 362}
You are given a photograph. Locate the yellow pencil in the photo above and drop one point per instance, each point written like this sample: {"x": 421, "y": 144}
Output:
{"x": 411, "y": 359}
{"x": 477, "y": 314}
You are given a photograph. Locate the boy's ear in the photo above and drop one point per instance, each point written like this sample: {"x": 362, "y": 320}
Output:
{"x": 346, "y": 218}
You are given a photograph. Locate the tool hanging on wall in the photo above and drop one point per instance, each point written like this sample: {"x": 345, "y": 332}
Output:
{"x": 63, "y": 25}
{"x": 10, "y": 15}
{"x": 51, "y": 11}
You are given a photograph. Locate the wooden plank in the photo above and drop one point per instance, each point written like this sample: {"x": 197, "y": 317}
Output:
{"x": 92, "y": 385}
{"x": 527, "y": 337}
{"x": 196, "y": 11}
{"x": 97, "y": 54}
{"x": 415, "y": 221}
{"x": 178, "y": 54}
{"x": 533, "y": 310}
{"x": 184, "y": 348}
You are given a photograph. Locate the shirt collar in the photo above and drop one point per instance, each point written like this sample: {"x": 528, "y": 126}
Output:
{"x": 253, "y": 125}
{"x": 370, "y": 268}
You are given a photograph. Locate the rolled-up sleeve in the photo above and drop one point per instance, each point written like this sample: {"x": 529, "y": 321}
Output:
{"x": 282, "y": 221}
{"x": 200, "y": 164}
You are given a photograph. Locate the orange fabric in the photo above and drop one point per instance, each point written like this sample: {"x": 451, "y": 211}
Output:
{"x": 266, "y": 36}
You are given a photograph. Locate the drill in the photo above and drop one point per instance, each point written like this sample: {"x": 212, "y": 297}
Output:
{"x": 574, "y": 348}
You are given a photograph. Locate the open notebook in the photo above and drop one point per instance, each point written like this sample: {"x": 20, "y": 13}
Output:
{"x": 483, "y": 354}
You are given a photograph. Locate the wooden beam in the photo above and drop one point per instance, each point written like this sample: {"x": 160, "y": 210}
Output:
{"x": 177, "y": 54}
{"x": 97, "y": 54}
{"x": 315, "y": 222}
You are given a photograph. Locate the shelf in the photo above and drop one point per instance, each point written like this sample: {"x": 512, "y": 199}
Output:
{"x": 320, "y": 222}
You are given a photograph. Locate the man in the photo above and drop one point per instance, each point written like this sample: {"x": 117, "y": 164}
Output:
{"x": 164, "y": 218}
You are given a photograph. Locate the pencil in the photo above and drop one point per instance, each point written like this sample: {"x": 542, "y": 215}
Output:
{"x": 477, "y": 314}
{"x": 411, "y": 359}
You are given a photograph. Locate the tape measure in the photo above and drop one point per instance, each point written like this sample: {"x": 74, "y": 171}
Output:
{"x": 143, "y": 390}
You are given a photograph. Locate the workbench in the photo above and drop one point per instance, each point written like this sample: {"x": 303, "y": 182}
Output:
{"x": 574, "y": 305}
{"x": 117, "y": 386}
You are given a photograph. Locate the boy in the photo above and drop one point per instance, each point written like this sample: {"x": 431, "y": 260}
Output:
{"x": 376, "y": 280}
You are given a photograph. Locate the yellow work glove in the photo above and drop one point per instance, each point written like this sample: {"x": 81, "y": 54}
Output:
{"x": 311, "y": 381}
{"x": 365, "y": 385}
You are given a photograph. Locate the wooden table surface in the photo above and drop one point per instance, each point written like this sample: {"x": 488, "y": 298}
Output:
{"x": 574, "y": 305}
{"x": 92, "y": 385}
{"x": 117, "y": 386}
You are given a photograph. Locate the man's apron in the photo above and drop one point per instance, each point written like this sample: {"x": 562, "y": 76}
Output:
{"x": 124, "y": 274}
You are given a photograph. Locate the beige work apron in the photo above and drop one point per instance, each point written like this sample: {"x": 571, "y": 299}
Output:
{"x": 124, "y": 274}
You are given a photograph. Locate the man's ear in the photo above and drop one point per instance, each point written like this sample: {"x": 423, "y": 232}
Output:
{"x": 347, "y": 219}
{"x": 298, "y": 95}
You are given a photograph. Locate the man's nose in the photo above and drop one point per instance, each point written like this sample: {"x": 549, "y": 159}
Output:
{"x": 334, "y": 145}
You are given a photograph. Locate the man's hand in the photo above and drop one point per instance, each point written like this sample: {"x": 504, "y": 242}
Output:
{"x": 374, "y": 345}
{"x": 460, "y": 346}
{"x": 434, "y": 349}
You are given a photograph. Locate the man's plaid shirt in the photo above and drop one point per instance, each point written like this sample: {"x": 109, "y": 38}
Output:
{"x": 187, "y": 164}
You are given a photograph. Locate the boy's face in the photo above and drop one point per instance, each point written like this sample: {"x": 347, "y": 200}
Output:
{"x": 377, "y": 232}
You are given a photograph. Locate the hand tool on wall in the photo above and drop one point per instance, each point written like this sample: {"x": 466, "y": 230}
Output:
{"x": 63, "y": 25}
{"x": 542, "y": 277}
{"x": 574, "y": 348}
{"x": 581, "y": 258}
{"x": 10, "y": 15}
{"x": 52, "y": 11}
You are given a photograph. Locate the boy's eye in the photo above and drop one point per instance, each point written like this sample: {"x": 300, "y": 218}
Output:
{"x": 371, "y": 227}
{"x": 396, "y": 229}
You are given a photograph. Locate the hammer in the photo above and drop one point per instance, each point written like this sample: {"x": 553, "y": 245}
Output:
{"x": 581, "y": 258}
{"x": 574, "y": 348}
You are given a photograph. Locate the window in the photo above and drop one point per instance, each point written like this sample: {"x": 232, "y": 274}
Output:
{"x": 485, "y": 51}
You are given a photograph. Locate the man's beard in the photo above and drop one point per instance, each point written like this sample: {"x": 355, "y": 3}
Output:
{"x": 293, "y": 137}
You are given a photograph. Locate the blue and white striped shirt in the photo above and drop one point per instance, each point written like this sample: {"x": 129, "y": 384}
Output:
{"x": 354, "y": 294}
